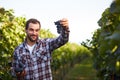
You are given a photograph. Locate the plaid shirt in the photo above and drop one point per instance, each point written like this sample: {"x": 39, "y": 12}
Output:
{"x": 37, "y": 65}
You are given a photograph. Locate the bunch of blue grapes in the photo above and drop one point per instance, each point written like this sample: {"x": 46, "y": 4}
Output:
{"x": 59, "y": 27}
{"x": 21, "y": 66}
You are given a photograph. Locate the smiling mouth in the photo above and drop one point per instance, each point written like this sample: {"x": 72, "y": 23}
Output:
{"x": 34, "y": 36}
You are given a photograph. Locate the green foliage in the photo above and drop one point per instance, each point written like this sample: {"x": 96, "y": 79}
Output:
{"x": 105, "y": 44}
{"x": 12, "y": 34}
{"x": 46, "y": 33}
{"x": 82, "y": 71}
{"x": 64, "y": 58}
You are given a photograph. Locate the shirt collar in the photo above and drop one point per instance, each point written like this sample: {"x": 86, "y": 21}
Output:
{"x": 25, "y": 42}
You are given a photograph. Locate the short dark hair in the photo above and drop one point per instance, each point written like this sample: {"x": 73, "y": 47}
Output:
{"x": 32, "y": 20}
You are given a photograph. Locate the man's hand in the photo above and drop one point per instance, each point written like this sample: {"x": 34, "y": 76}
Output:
{"x": 64, "y": 23}
{"x": 21, "y": 74}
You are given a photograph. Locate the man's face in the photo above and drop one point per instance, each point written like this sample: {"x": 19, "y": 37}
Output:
{"x": 33, "y": 32}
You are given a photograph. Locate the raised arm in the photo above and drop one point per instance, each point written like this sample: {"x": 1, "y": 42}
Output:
{"x": 62, "y": 38}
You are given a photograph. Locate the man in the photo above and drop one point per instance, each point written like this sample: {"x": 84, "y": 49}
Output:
{"x": 32, "y": 58}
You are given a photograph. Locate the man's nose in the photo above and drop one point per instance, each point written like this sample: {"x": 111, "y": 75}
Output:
{"x": 34, "y": 32}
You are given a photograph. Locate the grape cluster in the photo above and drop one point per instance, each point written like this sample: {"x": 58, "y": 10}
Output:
{"x": 20, "y": 68}
{"x": 59, "y": 27}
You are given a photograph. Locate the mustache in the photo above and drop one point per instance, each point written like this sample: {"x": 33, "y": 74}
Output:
{"x": 33, "y": 35}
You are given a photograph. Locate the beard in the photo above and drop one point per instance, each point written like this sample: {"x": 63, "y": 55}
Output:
{"x": 32, "y": 38}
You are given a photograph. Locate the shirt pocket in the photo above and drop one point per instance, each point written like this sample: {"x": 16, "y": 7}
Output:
{"x": 26, "y": 59}
{"x": 41, "y": 56}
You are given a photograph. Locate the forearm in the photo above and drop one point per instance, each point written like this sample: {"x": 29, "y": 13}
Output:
{"x": 65, "y": 35}
{"x": 60, "y": 40}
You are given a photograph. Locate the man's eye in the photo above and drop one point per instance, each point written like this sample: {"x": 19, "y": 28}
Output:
{"x": 30, "y": 29}
{"x": 37, "y": 30}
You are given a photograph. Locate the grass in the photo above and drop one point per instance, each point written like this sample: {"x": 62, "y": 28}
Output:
{"x": 82, "y": 71}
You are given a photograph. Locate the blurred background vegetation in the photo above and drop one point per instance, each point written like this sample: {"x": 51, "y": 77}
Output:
{"x": 103, "y": 50}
